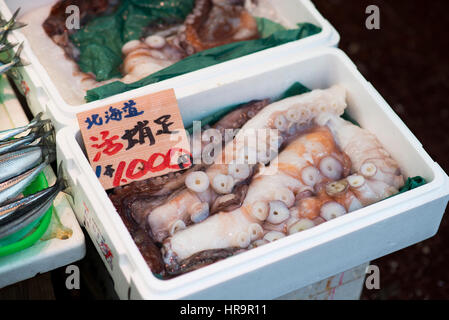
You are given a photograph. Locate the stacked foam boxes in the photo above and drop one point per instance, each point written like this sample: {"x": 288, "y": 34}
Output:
{"x": 325, "y": 262}
{"x": 50, "y": 252}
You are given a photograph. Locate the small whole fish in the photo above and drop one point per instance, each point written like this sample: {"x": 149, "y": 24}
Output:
{"x": 33, "y": 138}
{"x": 11, "y": 24}
{"x": 11, "y": 188}
{"x": 17, "y": 162}
{"x": 18, "y": 214}
{"x": 6, "y": 46}
{"x": 37, "y": 122}
{"x": 15, "y": 61}
{"x": 6, "y": 67}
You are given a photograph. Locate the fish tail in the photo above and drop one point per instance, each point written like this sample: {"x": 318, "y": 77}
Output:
{"x": 48, "y": 148}
{"x": 41, "y": 127}
{"x": 18, "y": 61}
{"x": 62, "y": 181}
{"x": 14, "y": 61}
{"x": 11, "y": 24}
{"x": 49, "y": 136}
{"x": 49, "y": 153}
{"x": 11, "y": 21}
{"x": 37, "y": 118}
{"x": 44, "y": 132}
{"x": 7, "y": 46}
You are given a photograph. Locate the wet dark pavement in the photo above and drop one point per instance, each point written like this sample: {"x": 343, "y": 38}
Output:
{"x": 407, "y": 61}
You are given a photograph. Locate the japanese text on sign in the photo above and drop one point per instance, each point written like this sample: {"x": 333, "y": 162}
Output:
{"x": 135, "y": 139}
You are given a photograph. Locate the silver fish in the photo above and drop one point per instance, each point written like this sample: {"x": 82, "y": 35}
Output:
{"x": 18, "y": 214}
{"x": 25, "y": 219}
{"x": 17, "y": 162}
{"x": 6, "y": 67}
{"x": 15, "y": 61}
{"x": 6, "y": 46}
{"x": 33, "y": 138}
{"x": 35, "y": 123}
{"x": 11, "y": 188}
{"x": 11, "y": 24}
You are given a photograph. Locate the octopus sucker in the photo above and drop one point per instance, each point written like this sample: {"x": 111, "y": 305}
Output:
{"x": 220, "y": 231}
{"x": 367, "y": 155}
{"x": 375, "y": 175}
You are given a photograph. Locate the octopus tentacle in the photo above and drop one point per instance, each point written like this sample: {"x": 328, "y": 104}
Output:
{"x": 150, "y": 252}
{"x": 222, "y": 176}
{"x": 266, "y": 205}
{"x": 380, "y": 172}
{"x": 147, "y": 56}
{"x": 376, "y": 175}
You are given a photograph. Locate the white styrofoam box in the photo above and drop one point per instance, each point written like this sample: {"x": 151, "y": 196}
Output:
{"x": 44, "y": 255}
{"x": 306, "y": 257}
{"x": 11, "y": 112}
{"x": 347, "y": 285}
{"x": 43, "y": 94}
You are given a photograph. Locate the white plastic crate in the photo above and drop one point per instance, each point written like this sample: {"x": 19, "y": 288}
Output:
{"x": 44, "y": 255}
{"x": 43, "y": 95}
{"x": 306, "y": 257}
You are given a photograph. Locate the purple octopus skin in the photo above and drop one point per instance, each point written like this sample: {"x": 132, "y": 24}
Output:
{"x": 215, "y": 23}
{"x": 145, "y": 244}
{"x": 200, "y": 260}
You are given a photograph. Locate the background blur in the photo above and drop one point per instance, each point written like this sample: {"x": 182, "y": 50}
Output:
{"x": 407, "y": 62}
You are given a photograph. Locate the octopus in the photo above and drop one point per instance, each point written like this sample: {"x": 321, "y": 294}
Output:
{"x": 310, "y": 167}
{"x": 215, "y": 23}
{"x": 211, "y": 23}
{"x": 237, "y": 162}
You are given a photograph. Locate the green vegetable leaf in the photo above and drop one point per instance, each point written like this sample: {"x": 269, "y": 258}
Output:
{"x": 294, "y": 90}
{"x": 413, "y": 183}
{"x": 100, "y": 41}
{"x": 207, "y": 58}
{"x": 267, "y": 27}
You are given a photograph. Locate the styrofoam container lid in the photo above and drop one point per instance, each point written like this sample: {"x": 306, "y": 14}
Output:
{"x": 51, "y": 100}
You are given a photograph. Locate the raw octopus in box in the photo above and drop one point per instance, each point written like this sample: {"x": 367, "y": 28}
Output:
{"x": 150, "y": 35}
{"x": 311, "y": 166}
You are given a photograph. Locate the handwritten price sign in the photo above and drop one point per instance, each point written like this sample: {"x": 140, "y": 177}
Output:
{"x": 135, "y": 139}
